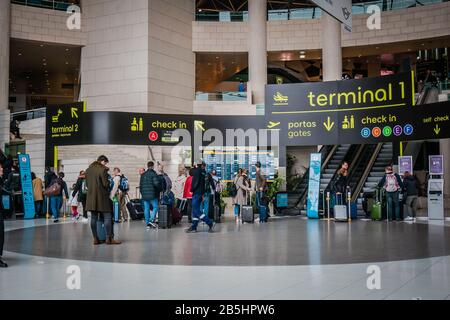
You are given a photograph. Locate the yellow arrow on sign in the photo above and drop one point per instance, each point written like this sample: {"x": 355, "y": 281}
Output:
{"x": 437, "y": 129}
{"x": 272, "y": 124}
{"x": 328, "y": 125}
{"x": 74, "y": 113}
{"x": 199, "y": 125}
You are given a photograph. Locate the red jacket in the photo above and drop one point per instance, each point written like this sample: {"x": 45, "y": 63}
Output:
{"x": 187, "y": 194}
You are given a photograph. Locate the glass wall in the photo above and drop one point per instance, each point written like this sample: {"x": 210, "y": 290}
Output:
{"x": 61, "y": 5}
{"x": 309, "y": 13}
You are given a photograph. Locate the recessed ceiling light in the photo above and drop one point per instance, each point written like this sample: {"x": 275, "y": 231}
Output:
{"x": 42, "y": 45}
{"x": 67, "y": 49}
{"x": 67, "y": 62}
{"x": 423, "y": 44}
{"x": 44, "y": 64}
{"x": 19, "y": 54}
{"x": 302, "y": 52}
{"x": 377, "y": 48}
{"x": 302, "y": 56}
{"x": 217, "y": 57}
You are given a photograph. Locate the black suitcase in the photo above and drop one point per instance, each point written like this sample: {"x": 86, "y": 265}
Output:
{"x": 135, "y": 209}
{"x": 247, "y": 214}
{"x": 164, "y": 216}
{"x": 214, "y": 209}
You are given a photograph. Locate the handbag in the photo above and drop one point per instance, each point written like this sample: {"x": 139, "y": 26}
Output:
{"x": 53, "y": 190}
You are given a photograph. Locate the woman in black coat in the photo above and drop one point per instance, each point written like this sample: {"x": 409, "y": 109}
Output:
{"x": 2, "y": 224}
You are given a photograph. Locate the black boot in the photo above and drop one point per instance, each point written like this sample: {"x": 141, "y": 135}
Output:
{"x": 2, "y": 264}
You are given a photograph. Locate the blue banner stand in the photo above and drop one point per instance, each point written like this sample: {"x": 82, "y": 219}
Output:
{"x": 312, "y": 205}
{"x": 27, "y": 186}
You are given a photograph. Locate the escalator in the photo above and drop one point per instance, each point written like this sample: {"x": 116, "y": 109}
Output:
{"x": 332, "y": 158}
{"x": 373, "y": 170}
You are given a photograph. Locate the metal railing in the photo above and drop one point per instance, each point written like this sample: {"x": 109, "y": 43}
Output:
{"x": 29, "y": 114}
{"x": 60, "y": 5}
{"x": 311, "y": 13}
{"x": 221, "y": 96}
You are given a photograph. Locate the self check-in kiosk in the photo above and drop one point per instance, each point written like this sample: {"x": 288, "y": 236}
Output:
{"x": 436, "y": 199}
{"x": 436, "y": 188}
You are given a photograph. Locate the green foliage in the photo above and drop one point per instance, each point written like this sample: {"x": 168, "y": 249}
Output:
{"x": 274, "y": 186}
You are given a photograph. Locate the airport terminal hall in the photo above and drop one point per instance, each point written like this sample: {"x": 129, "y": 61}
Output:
{"x": 207, "y": 153}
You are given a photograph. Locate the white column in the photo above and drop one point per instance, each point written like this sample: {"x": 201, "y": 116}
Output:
{"x": 257, "y": 51}
{"x": 331, "y": 48}
{"x": 5, "y": 22}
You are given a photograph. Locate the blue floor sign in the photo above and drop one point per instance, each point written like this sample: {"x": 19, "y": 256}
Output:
{"x": 27, "y": 186}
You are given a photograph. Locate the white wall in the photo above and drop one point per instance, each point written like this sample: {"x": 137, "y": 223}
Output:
{"x": 171, "y": 69}
{"x": 38, "y": 24}
{"x": 397, "y": 25}
{"x": 114, "y": 63}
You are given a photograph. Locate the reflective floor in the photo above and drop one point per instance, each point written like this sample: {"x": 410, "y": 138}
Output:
{"x": 33, "y": 276}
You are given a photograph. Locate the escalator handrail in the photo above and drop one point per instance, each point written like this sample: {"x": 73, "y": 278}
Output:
{"x": 366, "y": 173}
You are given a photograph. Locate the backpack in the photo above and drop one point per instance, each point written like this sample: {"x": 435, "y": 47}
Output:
{"x": 124, "y": 185}
{"x": 233, "y": 190}
{"x": 391, "y": 184}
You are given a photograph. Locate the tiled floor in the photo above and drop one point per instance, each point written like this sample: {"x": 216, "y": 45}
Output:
{"x": 33, "y": 277}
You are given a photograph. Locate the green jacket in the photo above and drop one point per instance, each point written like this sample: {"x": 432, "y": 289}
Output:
{"x": 150, "y": 185}
{"x": 97, "y": 198}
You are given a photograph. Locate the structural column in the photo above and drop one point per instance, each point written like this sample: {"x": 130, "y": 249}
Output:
{"x": 257, "y": 51}
{"x": 331, "y": 48}
{"x": 5, "y": 23}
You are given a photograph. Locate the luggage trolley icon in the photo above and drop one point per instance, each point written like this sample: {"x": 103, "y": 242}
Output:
{"x": 55, "y": 119}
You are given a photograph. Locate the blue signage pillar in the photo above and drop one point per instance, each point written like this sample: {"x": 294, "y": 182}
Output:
{"x": 312, "y": 206}
{"x": 27, "y": 186}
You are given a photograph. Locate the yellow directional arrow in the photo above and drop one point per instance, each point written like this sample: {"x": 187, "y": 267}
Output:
{"x": 328, "y": 125}
{"x": 437, "y": 129}
{"x": 74, "y": 113}
{"x": 199, "y": 125}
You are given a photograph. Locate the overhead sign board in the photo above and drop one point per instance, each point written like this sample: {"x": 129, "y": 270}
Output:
{"x": 340, "y": 9}
{"x": 364, "y": 111}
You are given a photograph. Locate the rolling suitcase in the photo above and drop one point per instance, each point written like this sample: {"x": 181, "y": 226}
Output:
{"x": 340, "y": 210}
{"x": 164, "y": 216}
{"x": 247, "y": 215}
{"x": 176, "y": 216}
{"x": 135, "y": 209}
{"x": 116, "y": 211}
{"x": 376, "y": 212}
{"x": 263, "y": 216}
{"x": 214, "y": 211}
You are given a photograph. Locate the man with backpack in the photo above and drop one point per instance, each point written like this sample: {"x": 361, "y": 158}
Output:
{"x": 198, "y": 190}
{"x": 57, "y": 191}
{"x": 392, "y": 184}
{"x": 119, "y": 192}
{"x": 150, "y": 187}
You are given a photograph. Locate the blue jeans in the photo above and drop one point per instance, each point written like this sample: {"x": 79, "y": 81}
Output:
{"x": 237, "y": 209}
{"x": 55, "y": 206}
{"x": 196, "y": 212}
{"x": 38, "y": 207}
{"x": 147, "y": 203}
{"x": 205, "y": 204}
{"x": 393, "y": 205}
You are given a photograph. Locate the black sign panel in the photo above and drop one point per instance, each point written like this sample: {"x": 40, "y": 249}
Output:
{"x": 323, "y": 97}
